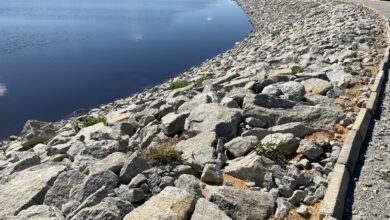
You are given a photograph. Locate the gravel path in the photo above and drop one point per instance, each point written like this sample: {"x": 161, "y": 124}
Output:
{"x": 369, "y": 194}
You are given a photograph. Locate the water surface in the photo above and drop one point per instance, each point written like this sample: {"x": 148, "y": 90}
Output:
{"x": 57, "y": 56}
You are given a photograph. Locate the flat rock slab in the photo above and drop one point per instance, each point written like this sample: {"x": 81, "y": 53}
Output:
{"x": 27, "y": 188}
{"x": 240, "y": 204}
{"x": 171, "y": 204}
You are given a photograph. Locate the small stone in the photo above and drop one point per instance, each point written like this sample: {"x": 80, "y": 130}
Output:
{"x": 303, "y": 210}
{"x": 310, "y": 149}
{"x": 189, "y": 183}
{"x": 297, "y": 197}
{"x": 133, "y": 166}
{"x": 212, "y": 175}
{"x": 137, "y": 180}
{"x": 283, "y": 208}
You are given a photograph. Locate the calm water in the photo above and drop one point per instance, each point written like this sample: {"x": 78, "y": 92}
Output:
{"x": 57, "y": 56}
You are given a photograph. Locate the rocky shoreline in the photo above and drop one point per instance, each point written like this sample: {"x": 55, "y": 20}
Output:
{"x": 252, "y": 133}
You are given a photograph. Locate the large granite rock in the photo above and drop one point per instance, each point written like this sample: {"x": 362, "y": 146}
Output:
{"x": 316, "y": 86}
{"x": 133, "y": 166}
{"x": 92, "y": 183}
{"x": 214, "y": 118}
{"x": 109, "y": 208}
{"x": 40, "y": 212}
{"x": 189, "y": 183}
{"x": 286, "y": 144}
{"x": 240, "y": 204}
{"x": 173, "y": 123}
{"x": 205, "y": 210}
{"x": 252, "y": 168}
{"x": 198, "y": 150}
{"x": 266, "y": 101}
{"x": 341, "y": 79}
{"x": 170, "y": 204}
{"x": 26, "y": 188}
{"x": 293, "y": 90}
{"x": 298, "y": 129}
{"x": 35, "y": 132}
{"x": 240, "y": 146}
{"x": 113, "y": 162}
{"x": 58, "y": 194}
{"x": 317, "y": 117}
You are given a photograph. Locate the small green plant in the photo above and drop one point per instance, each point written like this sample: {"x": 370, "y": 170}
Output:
{"x": 178, "y": 84}
{"x": 199, "y": 82}
{"x": 269, "y": 151}
{"x": 348, "y": 69}
{"x": 297, "y": 69}
{"x": 87, "y": 121}
{"x": 163, "y": 153}
{"x": 304, "y": 51}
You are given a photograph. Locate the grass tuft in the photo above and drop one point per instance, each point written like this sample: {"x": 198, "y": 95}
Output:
{"x": 87, "y": 121}
{"x": 164, "y": 153}
{"x": 297, "y": 69}
{"x": 199, "y": 82}
{"x": 178, "y": 84}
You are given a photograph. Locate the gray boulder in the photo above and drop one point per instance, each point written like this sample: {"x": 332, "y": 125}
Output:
{"x": 40, "y": 212}
{"x": 212, "y": 175}
{"x": 70, "y": 207}
{"x": 286, "y": 144}
{"x": 198, "y": 150}
{"x": 133, "y": 166}
{"x": 106, "y": 179}
{"x": 240, "y": 146}
{"x": 283, "y": 208}
{"x": 190, "y": 184}
{"x": 294, "y": 90}
{"x": 35, "y": 132}
{"x": 272, "y": 90}
{"x": 205, "y": 210}
{"x": 173, "y": 123}
{"x": 58, "y": 194}
{"x": 222, "y": 120}
{"x": 317, "y": 117}
{"x": 316, "y": 86}
{"x": 133, "y": 195}
{"x": 254, "y": 122}
{"x": 252, "y": 168}
{"x": 202, "y": 98}
{"x": 240, "y": 204}
{"x": 171, "y": 203}
{"x": 75, "y": 148}
{"x": 266, "y": 101}
{"x": 26, "y": 188}
{"x": 298, "y": 129}
{"x": 229, "y": 102}
{"x": 310, "y": 149}
{"x": 297, "y": 197}
{"x": 341, "y": 79}
{"x": 109, "y": 208}
{"x": 113, "y": 162}
{"x": 137, "y": 180}
{"x": 27, "y": 160}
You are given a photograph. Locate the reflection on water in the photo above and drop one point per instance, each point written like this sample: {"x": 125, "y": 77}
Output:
{"x": 3, "y": 89}
{"x": 63, "y": 55}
